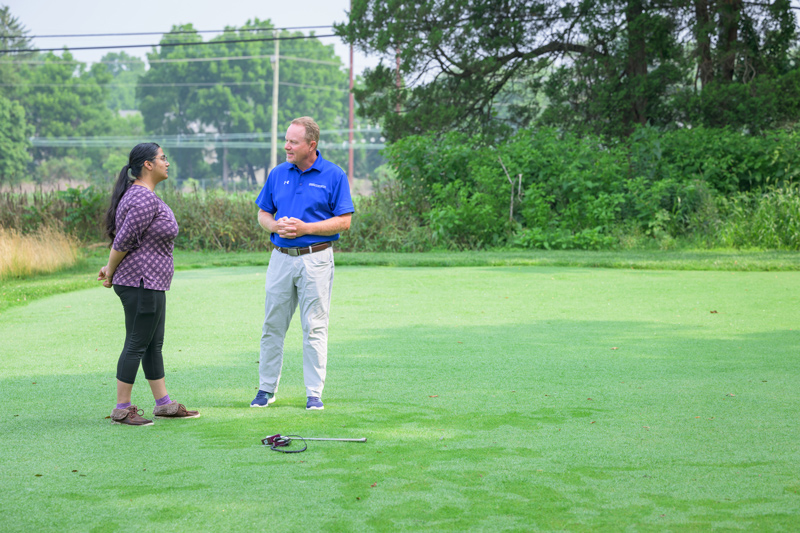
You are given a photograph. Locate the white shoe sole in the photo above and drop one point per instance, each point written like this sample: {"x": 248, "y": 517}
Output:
{"x": 270, "y": 401}
{"x": 176, "y": 417}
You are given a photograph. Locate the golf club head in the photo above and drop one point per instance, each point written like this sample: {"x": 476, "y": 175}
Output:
{"x": 276, "y": 440}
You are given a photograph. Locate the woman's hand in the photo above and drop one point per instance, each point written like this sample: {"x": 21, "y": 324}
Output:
{"x": 105, "y": 277}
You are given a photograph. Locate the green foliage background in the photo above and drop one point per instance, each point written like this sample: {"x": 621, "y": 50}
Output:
{"x": 550, "y": 189}
{"x": 601, "y": 125}
{"x": 540, "y": 189}
{"x": 13, "y": 141}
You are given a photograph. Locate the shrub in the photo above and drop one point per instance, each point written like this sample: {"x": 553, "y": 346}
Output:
{"x": 381, "y": 223}
{"x": 768, "y": 220}
{"x": 476, "y": 195}
{"x": 78, "y": 212}
{"x": 726, "y": 160}
{"x": 216, "y": 220}
{"x": 83, "y": 210}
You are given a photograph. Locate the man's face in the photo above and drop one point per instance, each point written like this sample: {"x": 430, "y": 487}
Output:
{"x": 298, "y": 150}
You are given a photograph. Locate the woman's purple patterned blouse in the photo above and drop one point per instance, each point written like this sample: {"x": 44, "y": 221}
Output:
{"x": 146, "y": 229}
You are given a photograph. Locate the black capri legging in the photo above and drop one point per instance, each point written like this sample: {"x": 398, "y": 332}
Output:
{"x": 145, "y": 310}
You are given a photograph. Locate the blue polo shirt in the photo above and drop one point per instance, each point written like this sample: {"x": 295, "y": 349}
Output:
{"x": 319, "y": 193}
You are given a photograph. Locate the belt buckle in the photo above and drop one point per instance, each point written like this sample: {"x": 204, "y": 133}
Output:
{"x": 294, "y": 252}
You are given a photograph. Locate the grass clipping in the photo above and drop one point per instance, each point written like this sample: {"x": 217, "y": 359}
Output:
{"x": 48, "y": 250}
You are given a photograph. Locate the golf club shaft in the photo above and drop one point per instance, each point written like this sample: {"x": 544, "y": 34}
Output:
{"x": 340, "y": 440}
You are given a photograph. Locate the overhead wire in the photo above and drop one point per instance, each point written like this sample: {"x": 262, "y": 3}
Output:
{"x": 192, "y": 60}
{"x": 201, "y": 43}
{"x": 372, "y": 140}
{"x": 238, "y": 58}
{"x": 216, "y": 135}
{"x": 186, "y": 84}
{"x": 198, "y": 59}
{"x": 182, "y": 60}
{"x": 177, "y": 32}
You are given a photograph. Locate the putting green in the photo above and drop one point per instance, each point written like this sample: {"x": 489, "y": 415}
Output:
{"x": 506, "y": 398}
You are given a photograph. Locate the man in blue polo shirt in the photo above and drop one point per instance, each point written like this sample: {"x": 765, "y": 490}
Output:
{"x": 305, "y": 204}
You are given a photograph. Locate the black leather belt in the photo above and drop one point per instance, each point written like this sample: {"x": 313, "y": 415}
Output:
{"x": 306, "y": 249}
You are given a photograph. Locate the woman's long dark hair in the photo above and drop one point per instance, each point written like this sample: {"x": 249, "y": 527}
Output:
{"x": 140, "y": 153}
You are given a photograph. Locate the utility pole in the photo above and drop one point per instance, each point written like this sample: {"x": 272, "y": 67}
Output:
{"x": 397, "y": 56}
{"x": 273, "y": 159}
{"x": 350, "y": 135}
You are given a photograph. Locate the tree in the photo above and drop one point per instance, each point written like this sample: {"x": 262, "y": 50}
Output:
{"x": 746, "y": 75}
{"x": 63, "y": 98}
{"x": 14, "y": 129}
{"x": 14, "y": 33}
{"x": 14, "y": 133}
{"x": 125, "y": 71}
{"x": 454, "y": 57}
{"x": 46, "y": 95}
{"x": 13, "y": 36}
{"x": 230, "y": 97}
{"x": 604, "y": 65}
{"x": 637, "y": 65}
{"x": 171, "y": 98}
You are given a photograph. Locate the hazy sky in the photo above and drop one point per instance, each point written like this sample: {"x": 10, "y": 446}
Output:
{"x": 50, "y": 17}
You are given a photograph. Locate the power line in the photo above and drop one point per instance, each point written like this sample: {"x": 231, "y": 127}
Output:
{"x": 178, "y": 32}
{"x": 206, "y": 136}
{"x": 187, "y": 84}
{"x": 201, "y": 43}
{"x": 263, "y": 145}
{"x": 259, "y": 140}
{"x": 181, "y": 60}
{"x": 304, "y": 86}
{"x": 238, "y": 58}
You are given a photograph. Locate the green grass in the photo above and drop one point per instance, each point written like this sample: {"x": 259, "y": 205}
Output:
{"x": 15, "y": 292}
{"x": 504, "y": 398}
{"x": 637, "y": 259}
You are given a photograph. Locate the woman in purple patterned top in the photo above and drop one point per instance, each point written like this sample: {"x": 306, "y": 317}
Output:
{"x": 142, "y": 229}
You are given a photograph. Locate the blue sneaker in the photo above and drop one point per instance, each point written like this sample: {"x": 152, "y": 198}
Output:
{"x": 263, "y": 399}
{"x": 314, "y": 404}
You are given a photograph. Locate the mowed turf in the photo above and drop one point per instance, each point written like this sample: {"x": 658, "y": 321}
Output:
{"x": 517, "y": 398}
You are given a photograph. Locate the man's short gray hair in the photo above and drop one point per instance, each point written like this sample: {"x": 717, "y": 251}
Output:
{"x": 311, "y": 127}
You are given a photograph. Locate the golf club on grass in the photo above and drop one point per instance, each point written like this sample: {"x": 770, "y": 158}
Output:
{"x": 277, "y": 441}
{"x": 364, "y": 439}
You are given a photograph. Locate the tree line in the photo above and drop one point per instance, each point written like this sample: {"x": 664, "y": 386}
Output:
{"x": 187, "y": 90}
{"x": 598, "y": 67}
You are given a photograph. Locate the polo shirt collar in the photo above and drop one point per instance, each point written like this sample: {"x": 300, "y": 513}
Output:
{"x": 317, "y": 165}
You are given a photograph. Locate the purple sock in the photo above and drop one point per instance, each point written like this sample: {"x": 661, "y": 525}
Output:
{"x": 163, "y": 401}
{"x": 123, "y": 405}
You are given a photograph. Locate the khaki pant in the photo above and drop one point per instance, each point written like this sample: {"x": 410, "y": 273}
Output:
{"x": 306, "y": 280}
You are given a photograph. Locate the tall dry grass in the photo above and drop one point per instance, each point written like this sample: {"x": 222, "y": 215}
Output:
{"x": 45, "y": 251}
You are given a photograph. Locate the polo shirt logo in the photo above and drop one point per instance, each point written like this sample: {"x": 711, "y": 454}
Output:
{"x": 316, "y": 185}
{"x": 286, "y": 182}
